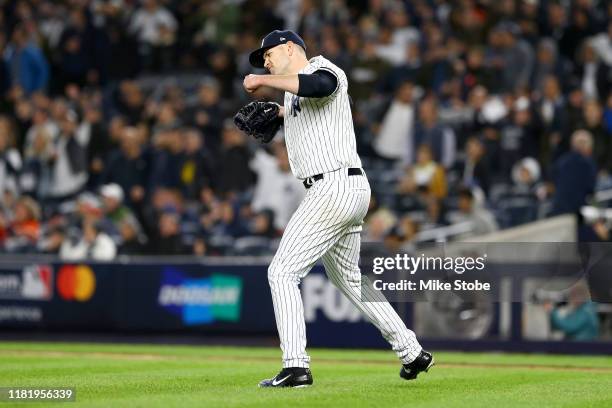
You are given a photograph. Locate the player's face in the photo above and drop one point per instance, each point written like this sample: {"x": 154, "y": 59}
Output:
{"x": 276, "y": 59}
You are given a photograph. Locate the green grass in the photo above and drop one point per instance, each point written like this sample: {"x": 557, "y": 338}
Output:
{"x": 190, "y": 376}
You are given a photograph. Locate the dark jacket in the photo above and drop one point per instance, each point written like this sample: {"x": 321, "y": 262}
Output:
{"x": 574, "y": 178}
{"x": 127, "y": 172}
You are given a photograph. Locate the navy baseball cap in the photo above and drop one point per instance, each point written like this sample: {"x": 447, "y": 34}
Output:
{"x": 273, "y": 39}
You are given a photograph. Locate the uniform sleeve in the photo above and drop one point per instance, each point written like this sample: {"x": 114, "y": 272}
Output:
{"x": 341, "y": 83}
{"x": 319, "y": 84}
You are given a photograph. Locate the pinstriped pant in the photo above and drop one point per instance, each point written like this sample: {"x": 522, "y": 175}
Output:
{"x": 327, "y": 225}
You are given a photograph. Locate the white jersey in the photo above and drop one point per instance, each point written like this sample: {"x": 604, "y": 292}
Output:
{"x": 320, "y": 138}
{"x": 319, "y": 132}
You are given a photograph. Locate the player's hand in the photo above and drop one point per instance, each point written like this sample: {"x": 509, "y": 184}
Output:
{"x": 252, "y": 82}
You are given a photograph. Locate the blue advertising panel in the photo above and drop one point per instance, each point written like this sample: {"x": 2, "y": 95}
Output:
{"x": 136, "y": 296}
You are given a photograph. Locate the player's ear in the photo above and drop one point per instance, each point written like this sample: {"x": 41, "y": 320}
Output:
{"x": 290, "y": 48}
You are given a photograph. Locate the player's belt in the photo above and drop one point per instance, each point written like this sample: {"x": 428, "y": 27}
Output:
{"x": 352, "y": 171}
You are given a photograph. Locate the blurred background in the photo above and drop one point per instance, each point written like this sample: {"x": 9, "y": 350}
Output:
{"x": 473, "y": 119}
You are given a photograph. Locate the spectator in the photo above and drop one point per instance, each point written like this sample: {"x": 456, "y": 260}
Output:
{"x": 51, "y": 242}
{"x": 222, "y": 65}
{"x": 378, "y": 224}
{"x": 168, "y": 240}
{"x": 574, "y": 113}
{"x": 23, "y": 231}
{"x": 551, "y": 113}
{"x": 130, "y": 102}
{"x": 481, "y": 220}
{"x": 43, "y": 132}
{"x": 167, "y": 159}
{"x": 476, "y": 72}
{"x": 518, "y": 136}
{"x": 116, "y": 127}
{"x": 591, "y": 73}
{"x": 114, "y": 211}
{"x": 428, "y": 131}
{"x": 133, "y": 242}
{"x": 607, "y": 119}
{"x": 395, "y": 139}
{"x": 10, "y": 159}
{"x": 574, "y": 175}
{"x": 426, "y": 175}
{"x": 518, "y": 58}
{"x": 77, "y": 47}
{"x": 401, "y": 238}
{"x": 437, "y": 50}
{"x": 94, "y": 244}
{"x": 155, "y": 28}
{"x": 578, "y": 321}
{"x": 99, "y": 143}
{"x": 4, "y": 72}
{"x": 575, "y": 34}
{"x": 197, "y": 169}
{"x": 435, "y": 212}
{"x": 474, "y": 170}
{"x": 526, "y": 177}
{"x": 593, "y": 123}
{"x": 366, "y": 70}
{"x": 128, "y": 166}
{"x": 204, "y": 113}
{"x": 548, "y": 65}
{"x": 262, "y": 225}
{"x": 276, "y": 188}
{"x": 37, "y": 175}
{"x": 70, "y": 160}
{"x": 555, "y": 22}
{"x": 89, "y": 207}
{"x": 27, "y": 65}
{"x": 467, "y": 23}
{"x": 234, "y": 171}
{"x": 410, "y": 70}
{"x": 602, "y": 44}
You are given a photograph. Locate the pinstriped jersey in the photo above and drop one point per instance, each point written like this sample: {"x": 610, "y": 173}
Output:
{"x": 319, "y": 132}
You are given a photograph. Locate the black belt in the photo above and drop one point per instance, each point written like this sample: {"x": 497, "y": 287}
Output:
{"x": 352, "y": 171}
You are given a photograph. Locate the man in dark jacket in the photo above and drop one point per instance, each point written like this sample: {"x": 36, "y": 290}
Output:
{"x": 574, "y": 175}
{"x": 129, "y": 166}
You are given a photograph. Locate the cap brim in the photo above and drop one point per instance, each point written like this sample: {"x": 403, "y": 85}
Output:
{"x": 256, "y": 57}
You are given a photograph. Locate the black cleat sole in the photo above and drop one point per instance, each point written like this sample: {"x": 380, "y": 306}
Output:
{"x": 413, "y": 376}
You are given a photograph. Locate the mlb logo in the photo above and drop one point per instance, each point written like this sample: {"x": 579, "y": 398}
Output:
{"x": 37, "y": 282}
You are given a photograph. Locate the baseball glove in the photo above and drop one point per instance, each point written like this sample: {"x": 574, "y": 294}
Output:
{"x": 259, "y": 120}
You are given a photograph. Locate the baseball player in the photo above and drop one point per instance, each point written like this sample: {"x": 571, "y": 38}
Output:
{"x": 321, "y": 144}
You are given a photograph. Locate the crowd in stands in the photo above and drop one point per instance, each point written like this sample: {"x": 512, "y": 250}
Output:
{"x": 116, "y": 132}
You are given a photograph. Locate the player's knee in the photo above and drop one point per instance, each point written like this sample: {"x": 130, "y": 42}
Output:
{"x": 274, "y": 273}
{"x": 279, "y": 274}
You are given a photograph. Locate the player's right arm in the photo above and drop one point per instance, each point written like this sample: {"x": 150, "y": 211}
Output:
{"x": 319, "y": 84}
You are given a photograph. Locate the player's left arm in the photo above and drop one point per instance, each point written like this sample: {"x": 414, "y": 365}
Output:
{"x": 319, "y": 84}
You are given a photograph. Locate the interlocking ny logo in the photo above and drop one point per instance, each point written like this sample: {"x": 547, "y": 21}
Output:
{"x": 295, "y": 105}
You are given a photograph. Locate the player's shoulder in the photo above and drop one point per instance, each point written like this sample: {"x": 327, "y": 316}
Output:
{"x": 320, "y": 62}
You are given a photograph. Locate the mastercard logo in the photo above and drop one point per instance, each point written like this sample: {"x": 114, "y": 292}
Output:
{"x": 76, "y": 282}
